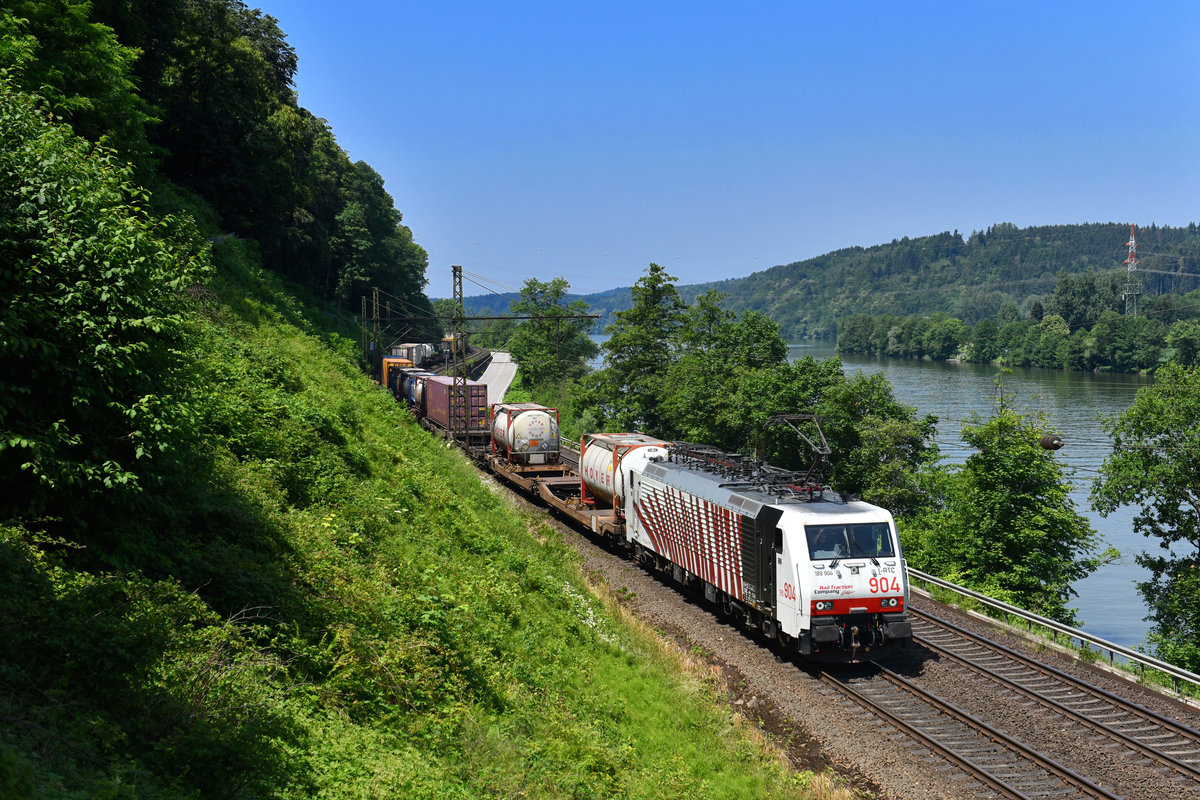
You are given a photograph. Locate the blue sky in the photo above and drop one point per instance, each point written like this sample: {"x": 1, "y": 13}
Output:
{"x": 580, "y": 140}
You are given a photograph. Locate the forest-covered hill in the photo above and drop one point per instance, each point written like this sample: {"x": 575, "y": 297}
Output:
{"x": 967, "y": 277}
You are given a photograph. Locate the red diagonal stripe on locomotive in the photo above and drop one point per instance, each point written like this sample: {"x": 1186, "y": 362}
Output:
{"x": 699, "y": 536}
{"x": 674, "y": 528}
{"x": 733, "y": 550}
{"x": 647, "y": 514}
{"x": 683, "y": 532}
{"x": 693, "y": 537}
{"x": 708, "y": 552}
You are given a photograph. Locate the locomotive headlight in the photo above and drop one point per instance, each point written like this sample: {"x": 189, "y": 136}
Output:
{"x": 823, "y": 605}
{"x": 890, "y": 602}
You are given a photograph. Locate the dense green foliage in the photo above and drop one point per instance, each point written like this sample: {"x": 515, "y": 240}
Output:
{"x": 1004, "y": 523}
{"x": 1080, "y": 326}
{"x": 1155, "y": 465}
{"x": 199, "y": 93}
{"x": 550, "y": 347}
{"x": 92, "y": 384}
{"x": 78, "y": 64}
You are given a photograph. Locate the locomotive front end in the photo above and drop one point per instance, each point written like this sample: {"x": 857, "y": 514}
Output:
{"x": 852, "y": 586}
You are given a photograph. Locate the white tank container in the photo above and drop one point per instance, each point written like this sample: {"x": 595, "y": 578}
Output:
{"x": 606, "y": 459}
{"x": 526, "y": 432}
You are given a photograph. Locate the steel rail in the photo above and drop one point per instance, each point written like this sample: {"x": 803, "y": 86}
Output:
{"x": 1004, "y": 786}
{"x": 1115, "y": 702}
{"x": 1141, "y": 659}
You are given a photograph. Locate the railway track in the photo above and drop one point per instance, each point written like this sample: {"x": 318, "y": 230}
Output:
{"x": 999, "y": 765}
{"x": 1170, "y": 747}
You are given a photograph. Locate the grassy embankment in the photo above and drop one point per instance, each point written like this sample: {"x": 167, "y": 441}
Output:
{"x": 337, "y": 606}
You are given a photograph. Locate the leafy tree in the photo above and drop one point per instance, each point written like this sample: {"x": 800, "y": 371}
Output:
{"x": 1128, "y": 344}
{"x": 855, "y": 334}
{"x": 91, "y": 286}
{"x": 640, "y": 348}
{"x": 1184, "y": 338}
{"x": 911, "y": 337}
{"x": 943, "y": 337}
{"x": 1079, "y": 352}
{"x": 1051, "y": 349}
{"x": 1009, "y": 527}
{"x": 1080, "y": 299}
{"x": 880, "y": 446}
{"x": 983, "y": 348}
{"x": 1011, "y": 340}
{"x": 695, "y": 394}
{"x": 1167, "y": 309}
{"x": 84, "y": 73}
{"x": 1007, "y": 314}
{"x": 550, "y": 349}
{"x": 493, "y": 334}
{"x": 1155, "y": 466}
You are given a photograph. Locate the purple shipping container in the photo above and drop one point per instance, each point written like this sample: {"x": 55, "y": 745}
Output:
{"x": 437, "y": 403}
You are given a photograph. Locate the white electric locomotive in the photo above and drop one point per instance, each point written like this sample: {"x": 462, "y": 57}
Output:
{"x": 815, "y": 571}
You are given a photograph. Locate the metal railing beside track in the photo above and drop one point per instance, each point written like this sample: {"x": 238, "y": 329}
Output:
{"x": 1055, "y": 628}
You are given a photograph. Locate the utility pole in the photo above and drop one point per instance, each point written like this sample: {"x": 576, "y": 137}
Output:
{"x": 1133, "y": 283}
{"x": 375, "y": 337}
{"x": 458, "y": 351}
{"x": 362, "y": 326}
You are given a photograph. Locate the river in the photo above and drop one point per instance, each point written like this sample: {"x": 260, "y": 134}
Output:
{"x": 1074, "y": 403}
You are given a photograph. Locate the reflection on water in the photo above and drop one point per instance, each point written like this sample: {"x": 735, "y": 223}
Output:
{"x": 1073, "y": 404}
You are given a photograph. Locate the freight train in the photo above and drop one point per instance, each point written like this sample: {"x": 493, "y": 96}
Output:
{"x": 822, "y": 575}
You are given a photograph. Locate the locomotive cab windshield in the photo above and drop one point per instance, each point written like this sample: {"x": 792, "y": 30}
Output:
{"x": 871, "y": 540}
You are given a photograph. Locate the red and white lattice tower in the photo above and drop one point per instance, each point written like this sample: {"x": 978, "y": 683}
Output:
{"x": 1133, "y": 284}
